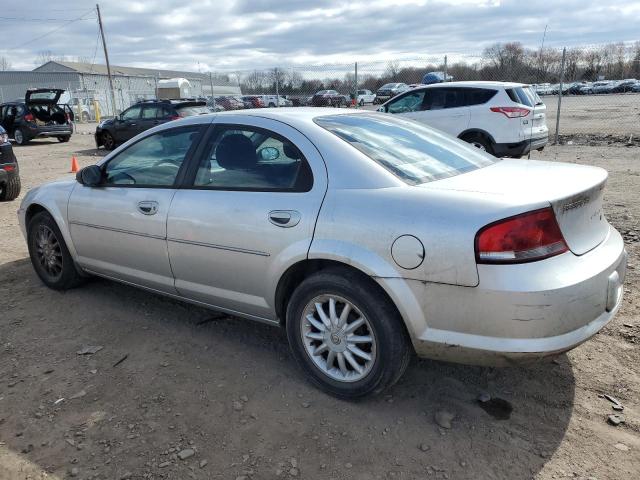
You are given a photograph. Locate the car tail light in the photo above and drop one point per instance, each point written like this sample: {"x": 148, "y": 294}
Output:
{"x": 512, "y": 112}
{"x": 8, "y": 168}
{"x": 175, "y": 117}
{"x": 68, "y": 117}
{"x": 28, "y": 117}
{"x": 523, "y": 238}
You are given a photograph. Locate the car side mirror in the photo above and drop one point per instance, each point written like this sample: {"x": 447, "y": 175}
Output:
{"x": 90, "y": 176}
{"x": 382, "y": 109}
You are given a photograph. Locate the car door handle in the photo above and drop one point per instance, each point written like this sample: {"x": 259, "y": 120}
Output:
{"x": 148, "y": 207}
{"x": 284, "y": 218}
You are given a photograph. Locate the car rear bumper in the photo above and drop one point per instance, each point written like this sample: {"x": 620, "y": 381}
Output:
{"x": 48, "y": 131}
{"x": 8, "y": 163}
{"x": 519, "y": 148}
{"x": 517, "y": 312}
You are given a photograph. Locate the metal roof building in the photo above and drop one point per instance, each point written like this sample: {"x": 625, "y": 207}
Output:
{"x": 90, "y": 81}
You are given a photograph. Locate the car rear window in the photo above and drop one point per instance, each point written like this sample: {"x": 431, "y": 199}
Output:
{"x": 411, "y": 151}
{"x": 524, "y": 95}
{"x": 191, "y": 111}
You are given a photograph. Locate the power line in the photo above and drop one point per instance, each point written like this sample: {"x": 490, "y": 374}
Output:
{"x": 26, "y": 19}
{"x": 81, "y": 17}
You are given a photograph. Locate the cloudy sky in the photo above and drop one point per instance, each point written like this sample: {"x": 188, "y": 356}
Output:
{"x": 245, "y": 34}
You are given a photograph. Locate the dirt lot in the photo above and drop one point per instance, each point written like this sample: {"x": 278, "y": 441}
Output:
{"x": 229, "y": 390}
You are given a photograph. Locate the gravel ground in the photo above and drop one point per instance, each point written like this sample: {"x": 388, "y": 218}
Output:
{"x": 177, "y": 392}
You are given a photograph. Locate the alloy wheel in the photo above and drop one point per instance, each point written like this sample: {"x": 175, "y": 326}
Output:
{"x": 338, "y": 338}
{"x": 49, "y": 252}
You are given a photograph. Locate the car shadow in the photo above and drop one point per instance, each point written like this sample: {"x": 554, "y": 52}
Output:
{"x": 173, "y": 370}
{"x": 92, "y": 152}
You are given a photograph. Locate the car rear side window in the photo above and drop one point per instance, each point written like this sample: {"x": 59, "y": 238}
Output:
{"x": 411, "y": 151}
{"x": 478, "y": 96}
{"x": 524, "y": 95}
{"x": 253, "y": 159}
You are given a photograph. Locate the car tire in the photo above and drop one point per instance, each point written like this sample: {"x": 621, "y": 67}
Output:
{"x": 10, "y": 190}
{"x": 64, "y": 138}
{"x": 382, "y": 335}
{"x": 108, "y": 141}
{"x": 19, "y": 137}
{"x": 479, "y": 141}
{"x": 49, "y": 254}
{"x": 272, "y": 105}
{"x": 361, "y": 103}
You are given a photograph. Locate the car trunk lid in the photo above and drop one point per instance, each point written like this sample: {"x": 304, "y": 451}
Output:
{"x": 575, "y": 192}
{"x": 43, "y": 96}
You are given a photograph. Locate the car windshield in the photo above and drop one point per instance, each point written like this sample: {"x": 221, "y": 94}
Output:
{"x": 389, "y": 85}
{"x": 411, "y": 151}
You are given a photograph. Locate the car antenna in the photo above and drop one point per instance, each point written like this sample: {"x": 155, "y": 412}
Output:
{"x": 533, "y": 112}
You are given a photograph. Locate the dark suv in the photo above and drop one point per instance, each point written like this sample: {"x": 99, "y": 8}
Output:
{"x": 143, "y": 116}
{"x": 9, "y": 172}
{"x": 40, "y": 115}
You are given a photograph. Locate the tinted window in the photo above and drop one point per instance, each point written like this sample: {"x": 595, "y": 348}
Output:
{"x": 412, "y": 151}
{"x": 154, "y": 160}
{"x": 440, "y": 98}
{"x": 190, "y": 111}
{"x": 243, "y": 158}
{"x": 478, "y": 96}
{"x": 150, "y": 112}
{"x": 132, "y": 113}
{"x": 410, "y": 102}
{"x": 524, "y": 95}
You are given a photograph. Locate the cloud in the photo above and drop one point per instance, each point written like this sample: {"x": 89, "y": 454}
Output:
{"x": 247, "y": 34}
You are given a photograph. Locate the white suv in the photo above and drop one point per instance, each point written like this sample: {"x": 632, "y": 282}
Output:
{"x": 505, "y": 119}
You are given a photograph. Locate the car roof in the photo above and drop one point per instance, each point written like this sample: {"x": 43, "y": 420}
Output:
{"x": 477, "y": 84}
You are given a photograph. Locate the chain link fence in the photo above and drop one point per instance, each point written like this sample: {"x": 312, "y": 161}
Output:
{"x": 595, "y": 86}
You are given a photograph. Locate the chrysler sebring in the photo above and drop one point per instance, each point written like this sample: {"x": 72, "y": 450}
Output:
{"x": 368, "y": 237}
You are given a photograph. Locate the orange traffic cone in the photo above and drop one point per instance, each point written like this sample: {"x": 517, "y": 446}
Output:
{"x": 74, "y": 164}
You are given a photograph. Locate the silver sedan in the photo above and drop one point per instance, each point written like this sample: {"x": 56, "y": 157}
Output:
{"x": 368, "y": 237}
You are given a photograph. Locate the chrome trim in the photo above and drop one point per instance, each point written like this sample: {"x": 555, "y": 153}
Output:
{"x": 220, "y": 247}
{"x": 118, "y": 230}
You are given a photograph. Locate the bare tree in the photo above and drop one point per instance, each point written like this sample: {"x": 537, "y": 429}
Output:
{"x": 393, "y": 68}
{"x": 5, "y": 64}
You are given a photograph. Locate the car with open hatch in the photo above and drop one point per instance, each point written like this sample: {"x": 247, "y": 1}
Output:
{"x": 40, "y": 115}
{"x": 368, "y": 237}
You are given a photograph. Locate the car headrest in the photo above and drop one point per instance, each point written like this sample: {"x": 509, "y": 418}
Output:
{"x": 236, "y": 152}
{"x": 291, "y": 151}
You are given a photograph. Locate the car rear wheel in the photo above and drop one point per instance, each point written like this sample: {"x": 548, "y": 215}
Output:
{"x": 361, "y": 102}
{"x": 479, "y": 141}
{"x": 347, "y": 337}
{"x": 49, "y": 254}
{"x": 108, "y": 141}
{"x": 10, "y": 190}
{"x": 64, "y": 138}
{"x": 19, "y": 137}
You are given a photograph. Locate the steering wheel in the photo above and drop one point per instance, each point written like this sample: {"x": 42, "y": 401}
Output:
{"x": 166, "y": 161}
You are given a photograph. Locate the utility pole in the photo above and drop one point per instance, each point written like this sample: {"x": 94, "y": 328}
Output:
{"x": 564, "y": 54}
{"x": 213, "y": 98}
{"x": 106, "y": 57}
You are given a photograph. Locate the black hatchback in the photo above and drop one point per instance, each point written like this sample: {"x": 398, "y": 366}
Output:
{"x": 9, "y": 171}
{"x": 40, "y": 115}
{"x": 143, "y": 116}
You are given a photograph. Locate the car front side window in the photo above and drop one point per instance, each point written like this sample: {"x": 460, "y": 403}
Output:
{"x": 131, "y": 114}
{"x": 154, "y": 161}
{"x": 252, "y": 159}
{"x": 410, "y": 102}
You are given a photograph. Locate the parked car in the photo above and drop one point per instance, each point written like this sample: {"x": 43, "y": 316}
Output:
{"x": 504, "y": 119}
{"x": 256, "y": 101}
{"x": 390, "y": 90}
{"x": 9, "y": 170}
{"x": 602, "y": 87}
{"x": 436, "y": 77}
{"x": 636, "y": 87}
{"x": 143, "y": 116}
{"x": 492, "y": 257}
{"x": 228, "y": 102}
{"x": 365, "y": 97}
{"x": 38, "y": 116}
{"x": 328, "y": 98}
{"x": 575, "y": 88}
{"x": 624, "y": 86}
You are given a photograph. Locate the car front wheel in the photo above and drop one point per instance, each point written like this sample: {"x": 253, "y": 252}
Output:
{"x": 49, "y": 254}
{"x": 19, "y": 137}
{"x": 347, "y": 336}
{"x": 108, "y": 141}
